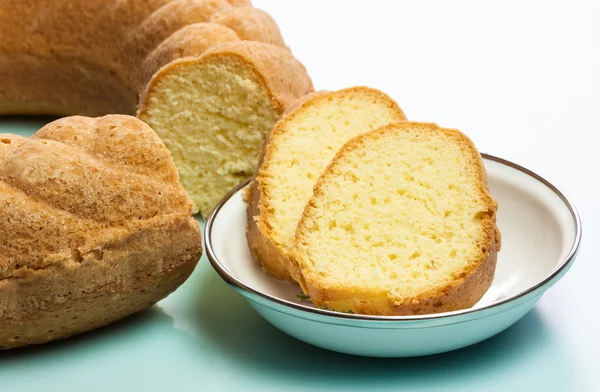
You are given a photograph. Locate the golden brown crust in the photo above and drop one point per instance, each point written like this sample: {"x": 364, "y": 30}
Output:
{"x": 59, "y": 320}
{"x": 226, "y": 24}
{"x": 463, "y": 292}
{"x": 283, "y": 78}
{"x": 240, "y": 3}
{"x": 170, "y": 18}
{"x": 65, "y": 299}
{"x": 250, "y": 24}
{"x": 64, "y": 68}
{"x": 55, "y": 85}
{"x": 264, "y": 247}
{"x": 189, "y": 41}
{"x": 91, "y": 209}
{"x": 124, "y": 141}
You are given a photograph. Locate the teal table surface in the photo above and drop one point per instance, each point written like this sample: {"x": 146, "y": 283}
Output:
{"x": 206, "y": 337}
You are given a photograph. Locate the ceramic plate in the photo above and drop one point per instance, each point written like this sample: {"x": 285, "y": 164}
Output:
{"x": 541, "y": 231}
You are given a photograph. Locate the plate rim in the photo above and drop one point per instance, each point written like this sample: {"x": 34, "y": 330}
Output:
{"x": 564, "y": 265}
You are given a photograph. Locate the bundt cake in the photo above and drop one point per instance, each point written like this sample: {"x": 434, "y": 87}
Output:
{"x": 297, "y": 151}
{"x": 401, "y": 222}
{"x": 94, "y": 226}
{"x": 210, "y": 76}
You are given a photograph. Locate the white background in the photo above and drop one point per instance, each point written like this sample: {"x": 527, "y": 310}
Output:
{"x": 521, "y": 78}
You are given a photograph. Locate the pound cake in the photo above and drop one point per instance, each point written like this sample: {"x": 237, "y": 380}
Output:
{"x": 400, "y": 223}
{"x": 94, "y": 226}
{"x": 98, "y": 57}
{"x": 238, "y": 93}
{"x": 298, "y": 149}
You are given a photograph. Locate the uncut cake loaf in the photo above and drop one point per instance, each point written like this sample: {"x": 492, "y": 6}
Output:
{"x": 211, "y": 77}
{"x": 400, "y": 223}
{"x": 94, "y": 226}
{"x": 298, "y": 149}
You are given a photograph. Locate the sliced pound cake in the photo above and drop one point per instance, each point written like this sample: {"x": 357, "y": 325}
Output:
{"x": 214, "y": 112}
{"x": 401, "y": 222}
{"x": 211, "y": 77}
{"x": 299, "y": 148}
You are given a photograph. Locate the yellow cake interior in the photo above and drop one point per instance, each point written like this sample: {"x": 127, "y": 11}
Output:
{"x": 213, "y": 117}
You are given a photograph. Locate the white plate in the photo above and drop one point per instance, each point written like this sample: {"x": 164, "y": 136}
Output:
{"x": 541, "y": 232}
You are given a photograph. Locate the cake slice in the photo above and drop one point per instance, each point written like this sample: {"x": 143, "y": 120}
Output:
{"x": 299, "y": 148}
{"x": 215, "y": 111}
{"x": 401, "y": 222}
